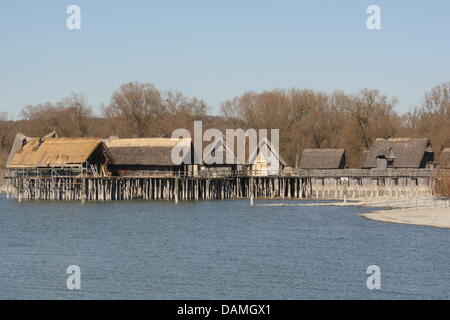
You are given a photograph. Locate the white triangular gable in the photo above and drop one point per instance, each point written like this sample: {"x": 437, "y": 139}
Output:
{"x": 265, "y": 160}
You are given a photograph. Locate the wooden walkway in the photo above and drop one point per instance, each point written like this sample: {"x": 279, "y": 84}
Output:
{"x": 307, "y": 184}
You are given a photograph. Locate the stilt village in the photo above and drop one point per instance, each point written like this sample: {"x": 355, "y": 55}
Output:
{"x": 59, "y": 168}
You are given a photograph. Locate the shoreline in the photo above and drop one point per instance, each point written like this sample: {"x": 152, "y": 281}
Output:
{"x": 429, "y": 212}
{"x": 429, "y": 217}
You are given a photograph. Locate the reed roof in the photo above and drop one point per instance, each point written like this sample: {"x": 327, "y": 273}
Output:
{"x": 404, "y": 152}
{"x": 323, "y": 159}
{"x": 53, "y": 152}
{"x": 444, "y": 159}
{"x": 145, "y": 151}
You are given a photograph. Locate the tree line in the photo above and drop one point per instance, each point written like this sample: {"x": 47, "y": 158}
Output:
{"x": 306, "y": 118}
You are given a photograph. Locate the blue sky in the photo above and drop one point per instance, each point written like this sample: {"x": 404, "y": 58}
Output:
{"x": 215, "y": 50}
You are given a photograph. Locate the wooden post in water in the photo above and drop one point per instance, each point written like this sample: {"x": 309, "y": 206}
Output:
{"x": 176, "y": 190}
{"x": 251, "y": 190}
{"x": 19, "y": 189}
{"x": 83, "y": 190}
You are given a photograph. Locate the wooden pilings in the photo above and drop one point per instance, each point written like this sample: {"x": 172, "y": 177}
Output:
{"x": 166, "y": 188}
{"x": 199, "y": 188}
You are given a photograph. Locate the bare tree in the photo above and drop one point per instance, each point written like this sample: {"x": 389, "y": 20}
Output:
{"x": 371, "y": 114}
{"x": 78, "y": 113}
{"x": 6, "y": 137}
{"x": 181, "y": 111}
{"x": 135, "y": 110}
{"x": 69, "y": 117}
{"x": 432, "y": 118}
{"x": 437, "y": 100}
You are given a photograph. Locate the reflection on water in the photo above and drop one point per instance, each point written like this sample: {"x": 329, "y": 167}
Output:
{"x": 214, "y": 250}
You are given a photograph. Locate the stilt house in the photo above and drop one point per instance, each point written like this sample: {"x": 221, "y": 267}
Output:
{"x": 265, "y": 160}
{"x": 323, "y": 159}
{"x": 400, "y": 153}
{"x": 149, "y": 156}
{"x": 49, "y": 155}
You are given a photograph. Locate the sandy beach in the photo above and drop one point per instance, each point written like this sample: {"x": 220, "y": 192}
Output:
{"x": 433, "y": 217}
{"x": 433, "y": 212}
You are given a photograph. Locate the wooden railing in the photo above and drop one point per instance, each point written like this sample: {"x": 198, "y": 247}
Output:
{"x": 361, "y": 173}
{"x": 337, "y": 173}
{"x": 313, "y": 173}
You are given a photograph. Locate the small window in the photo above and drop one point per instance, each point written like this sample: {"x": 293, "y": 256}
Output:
{"x": 390, "y": 163}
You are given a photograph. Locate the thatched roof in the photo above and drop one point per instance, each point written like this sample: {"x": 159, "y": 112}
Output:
{"x": 404, "y": 152}
{"x": 145, "y": 151}
{"x": 323, "y": 159}
{"x": 19, "y": 141}
{"x": 362, "y": 158}
{"x": 53, "y": 152}
{"x": 444, "y": 159}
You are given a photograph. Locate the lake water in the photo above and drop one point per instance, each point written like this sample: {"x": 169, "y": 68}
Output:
{"x": 214, "y": 250}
